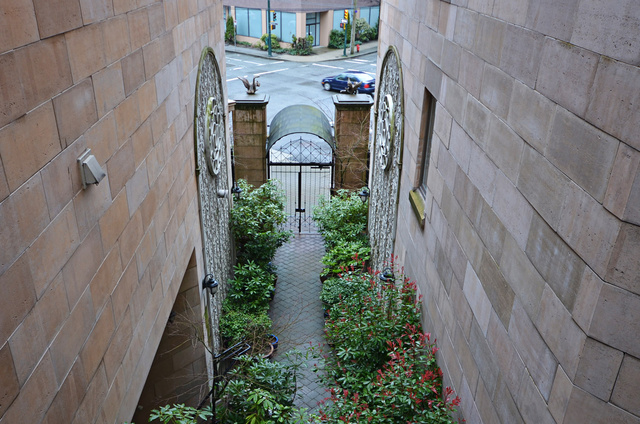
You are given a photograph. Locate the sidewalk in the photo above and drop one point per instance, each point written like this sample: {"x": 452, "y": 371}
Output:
{"x": 320, "y": 54}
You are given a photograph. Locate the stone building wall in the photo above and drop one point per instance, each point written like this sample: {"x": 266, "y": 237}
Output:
{"x": 528, "y": 258}
{"x": 88, "y": 277}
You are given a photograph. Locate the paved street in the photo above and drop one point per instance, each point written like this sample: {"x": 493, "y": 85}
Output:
{"x": 292, "y": 82}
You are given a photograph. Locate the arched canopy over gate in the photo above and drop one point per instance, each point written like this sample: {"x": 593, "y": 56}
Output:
{"x": 300, "y": 151}
{"x": 300, "y": 119}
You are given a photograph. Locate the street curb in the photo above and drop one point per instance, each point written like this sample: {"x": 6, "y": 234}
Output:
{"x": 321, "y": 57}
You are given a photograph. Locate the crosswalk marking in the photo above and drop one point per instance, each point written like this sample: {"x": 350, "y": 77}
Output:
{"x": 326, "y": 66}
{"x": 271, "y": 72}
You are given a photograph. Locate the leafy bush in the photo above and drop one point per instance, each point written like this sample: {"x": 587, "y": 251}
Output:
{"x": 384, "y": 367}
{"x": 236, "y": 325}
{"x": 255, "y": 222}
{"x": 341, "y": 217}
{"x": 251, "y": 287}
{"x": 345, "y": 255}
{"x": 274, "y": 42}
{"x": 336, "y": 39}
{"x": 345, "y": 288}
{"x": 261, "y": 391}
{"x": 362, "y": 29}
{"x": 180, "y": 414}
{"x": 244, "y": 310}
{"x": 230, "y": 29}
{"x": 301, "y": 46}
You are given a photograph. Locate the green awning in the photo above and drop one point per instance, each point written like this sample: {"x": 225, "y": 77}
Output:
{"x": 299, "y": 119}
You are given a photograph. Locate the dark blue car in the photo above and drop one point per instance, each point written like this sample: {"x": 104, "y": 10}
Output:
{"x": 339, "y": 82}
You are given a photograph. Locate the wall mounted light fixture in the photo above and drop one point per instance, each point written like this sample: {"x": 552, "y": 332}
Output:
{"x": 386, "y": 275}
{"x": 210, "y": 283}
{"x": 237, "y": 191}
{"x": 364, "y": 194}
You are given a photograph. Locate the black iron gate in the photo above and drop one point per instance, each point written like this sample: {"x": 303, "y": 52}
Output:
{"x": 304, "y": 167}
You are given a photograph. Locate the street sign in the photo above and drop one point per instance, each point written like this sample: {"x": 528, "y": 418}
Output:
{"x": 344, "y": 21}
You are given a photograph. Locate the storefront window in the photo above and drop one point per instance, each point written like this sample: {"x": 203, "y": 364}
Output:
{"x": 285, "y": 26}
{"x": 249, "y": 22}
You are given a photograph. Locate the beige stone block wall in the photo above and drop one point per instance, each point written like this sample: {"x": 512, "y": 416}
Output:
{"x": 528, "y": 259}
{"x": 88, "y": 277}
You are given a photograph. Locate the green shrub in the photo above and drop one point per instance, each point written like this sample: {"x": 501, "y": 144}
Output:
{"x": 346, "y": 255}
{"x": 350, "y": 286}
{"x": 237, "y": 325}
{"x": 341, "y": 217}
{"x": 180, "y": 414}
{"x": 336, "y": 39}
{"x": 383, "y": 367}
{"x": 301, "y": 46}
{"x": 274, "y": 42}
{"x": 251, "y": 287}
{"x": 261, "y": 391}
{"x": 255, "y": 222}
{"x": 230, "y": 29}
{"x": 362, "y": 29}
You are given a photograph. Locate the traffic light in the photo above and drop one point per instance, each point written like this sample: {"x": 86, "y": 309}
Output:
{"x": 273, "y": 13}
{"x": 273, "y": 26}
{"x": 346, "y": 14}
{"x": 341, "y": 25}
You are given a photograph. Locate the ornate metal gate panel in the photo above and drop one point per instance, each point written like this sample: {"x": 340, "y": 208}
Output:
{"x": 387, "y": 160}
{"x": 304, "y": 167}
{"x": 212, "y": 165}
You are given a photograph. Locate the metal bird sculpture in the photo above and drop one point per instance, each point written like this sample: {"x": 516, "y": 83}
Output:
{"x": 251, "y": 87}
{"x": 352, "y": 87}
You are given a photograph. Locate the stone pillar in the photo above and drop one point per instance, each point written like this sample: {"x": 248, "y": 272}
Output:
{"x": 352, "y": 140}
{"x": 250, "y": 138}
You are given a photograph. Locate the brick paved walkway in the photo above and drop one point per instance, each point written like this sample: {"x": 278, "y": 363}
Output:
{"x": 296, "y": 309}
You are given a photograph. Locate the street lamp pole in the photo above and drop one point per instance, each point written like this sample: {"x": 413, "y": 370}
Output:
{"x": 269, "y": 26}
{"x": 353, "y": 26}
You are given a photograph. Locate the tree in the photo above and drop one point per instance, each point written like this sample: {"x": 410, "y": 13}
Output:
{"x": 230, "y": 31}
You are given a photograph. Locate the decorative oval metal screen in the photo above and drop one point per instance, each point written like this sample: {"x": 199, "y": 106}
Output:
{"x": 210, "y": 135}
{"x": 387, "y": 160}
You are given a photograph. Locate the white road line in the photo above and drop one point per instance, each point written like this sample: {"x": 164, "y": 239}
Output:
{"x": 373, "y": 64}
{"x": 230, "y": 58}
{"x": 271, "y": 63}
{"x": 370, "y": 73}
{"x": 326, "y": 66}
{"x": 359, "y": 62}
{"x": 238, "y": 68}
{"x": 253, "y": 63}
{"x": 232, "y": 79}
{"x": 270, "y": 72}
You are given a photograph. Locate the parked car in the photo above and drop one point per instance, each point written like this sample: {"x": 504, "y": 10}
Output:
{"x": 339, "y": 82}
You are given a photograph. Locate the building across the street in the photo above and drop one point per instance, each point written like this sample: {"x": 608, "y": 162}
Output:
{"x": 296, "y": 18}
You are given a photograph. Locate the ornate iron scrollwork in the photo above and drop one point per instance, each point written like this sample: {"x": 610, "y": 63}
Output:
{"x": 385, "y": 131}
{"x": 210, "y": 134}
{"x": 214, "y": 134}
{"x": 387, "y": 166}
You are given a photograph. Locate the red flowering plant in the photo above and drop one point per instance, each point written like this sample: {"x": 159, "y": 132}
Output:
{"x": 383, "y": 367}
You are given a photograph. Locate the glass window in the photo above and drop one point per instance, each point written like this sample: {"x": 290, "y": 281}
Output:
{"x": 426, "y": 133}
{"x": 288, "y": 26}
{"x": 285, "y": 26}
{"x": 249, "y": 22}
{"x": 255, "y": 23}
{"x": 374, "y": 16}
{"x": 242, "y": 19}
{"x": 337, "y": 18}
